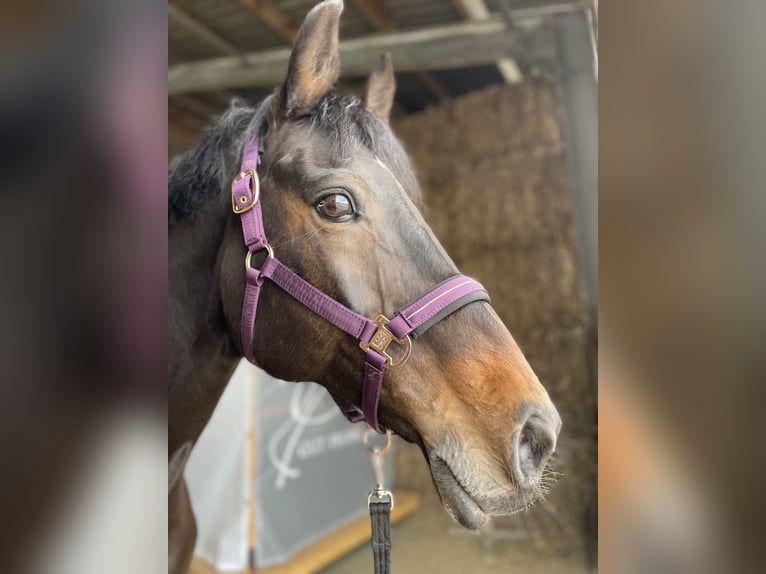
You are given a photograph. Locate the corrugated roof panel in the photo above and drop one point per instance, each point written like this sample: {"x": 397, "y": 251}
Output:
{"x": 497, "y": 5}
{"x": 352, "y": 21}
{"x": 251, "y": 35}
{"x": 354, "y": 24}
{"x": 493, "y": 5}
{"x": 420, "y": 14}
{"x": 185, "y": 45}
{"x": 234, "y": 22}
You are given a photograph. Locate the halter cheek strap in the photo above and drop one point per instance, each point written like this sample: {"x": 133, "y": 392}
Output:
{"x": 375, "y": 337}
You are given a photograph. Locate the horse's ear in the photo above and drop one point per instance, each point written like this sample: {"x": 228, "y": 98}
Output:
{"x": 381, "y": 87}
{"x": 314, "y": 63}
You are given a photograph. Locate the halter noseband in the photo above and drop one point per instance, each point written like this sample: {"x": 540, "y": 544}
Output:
{"x": 375, "y": 337}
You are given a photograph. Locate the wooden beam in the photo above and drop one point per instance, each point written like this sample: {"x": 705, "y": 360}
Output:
{"x": 274, "y": 18}
{"x": 200, "y": 30}
{"x": 444, "y": 47}
{"x": 472, "y": 9}
{"x": 477, "y": 10}
{"x": 510, "y": 71}
{"x": 376, "y": 12}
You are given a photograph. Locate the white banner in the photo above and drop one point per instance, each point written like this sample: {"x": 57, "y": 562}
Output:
{"x": 311, "y": 472}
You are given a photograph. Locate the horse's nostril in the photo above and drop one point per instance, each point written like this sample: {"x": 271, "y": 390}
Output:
{"x": 535, "y": 443}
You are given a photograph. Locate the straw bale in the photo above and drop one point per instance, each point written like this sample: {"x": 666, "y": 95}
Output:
{"x": 493, "y": 169}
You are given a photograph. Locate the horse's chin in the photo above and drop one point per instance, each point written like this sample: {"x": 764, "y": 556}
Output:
{"x": 459, "y": 504}
{"x": 474, "y": 512}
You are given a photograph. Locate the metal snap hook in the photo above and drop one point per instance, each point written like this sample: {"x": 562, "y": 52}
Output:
{"x": 370, "y": 448}
{"x": 376, "y": 458}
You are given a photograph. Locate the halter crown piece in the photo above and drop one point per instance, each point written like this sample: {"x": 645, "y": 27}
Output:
{"x": 374, "y": 336}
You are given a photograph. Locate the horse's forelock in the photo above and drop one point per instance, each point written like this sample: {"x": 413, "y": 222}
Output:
{"x": 345, "y": 123}
{"x": 201, "y": 173}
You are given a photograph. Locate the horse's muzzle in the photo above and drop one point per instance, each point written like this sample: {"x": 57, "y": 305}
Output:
{"x": 471, "y": 484}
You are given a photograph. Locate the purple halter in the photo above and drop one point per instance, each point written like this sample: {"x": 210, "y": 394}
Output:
{"x": 374, "y": 337}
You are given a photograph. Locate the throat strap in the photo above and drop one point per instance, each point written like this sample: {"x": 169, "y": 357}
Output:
{"x": 374, "y": 337}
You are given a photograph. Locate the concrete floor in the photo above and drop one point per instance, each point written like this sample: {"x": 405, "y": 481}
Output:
{"x": 430, "y": 542}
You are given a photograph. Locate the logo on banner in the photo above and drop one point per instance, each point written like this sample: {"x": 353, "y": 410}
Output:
{"x": 311, "y": 407}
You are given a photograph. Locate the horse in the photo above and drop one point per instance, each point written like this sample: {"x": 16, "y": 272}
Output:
{"x": 341, "y": 207}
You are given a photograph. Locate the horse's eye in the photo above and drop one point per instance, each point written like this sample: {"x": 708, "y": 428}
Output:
{"x": 336, "y": 207}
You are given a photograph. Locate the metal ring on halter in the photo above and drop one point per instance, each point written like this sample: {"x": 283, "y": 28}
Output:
{"x": 269, "y": 252}
{"x": 372, "y": 450}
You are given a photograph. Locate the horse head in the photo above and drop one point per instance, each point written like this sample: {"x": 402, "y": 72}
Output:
{"x": 340, "y": 206}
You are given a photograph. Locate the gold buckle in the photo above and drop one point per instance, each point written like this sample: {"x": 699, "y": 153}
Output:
{"x": 383, "y": 338}
{"x": 240, "y": 208}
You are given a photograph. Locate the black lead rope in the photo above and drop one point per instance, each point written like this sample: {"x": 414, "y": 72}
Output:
{"x": 380, "y": 517}
{"x": 380, "y": 502}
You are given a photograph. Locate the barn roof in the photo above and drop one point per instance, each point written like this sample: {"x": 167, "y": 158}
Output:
{"x": 222, "y": 49}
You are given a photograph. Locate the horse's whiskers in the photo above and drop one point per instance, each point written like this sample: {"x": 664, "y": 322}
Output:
{"x": 307, "y": 235}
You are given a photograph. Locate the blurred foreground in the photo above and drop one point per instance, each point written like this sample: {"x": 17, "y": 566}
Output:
{"x": 681, "y": 302}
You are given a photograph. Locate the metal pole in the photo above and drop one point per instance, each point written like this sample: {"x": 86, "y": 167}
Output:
{"x": 577, "y": 77}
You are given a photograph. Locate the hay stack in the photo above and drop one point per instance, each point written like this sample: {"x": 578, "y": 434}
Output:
{"x": 493, "y": 170}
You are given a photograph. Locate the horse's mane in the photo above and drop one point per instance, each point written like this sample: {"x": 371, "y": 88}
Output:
{"x": 201, "y": 172}
{"x": 204, "y": 171}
